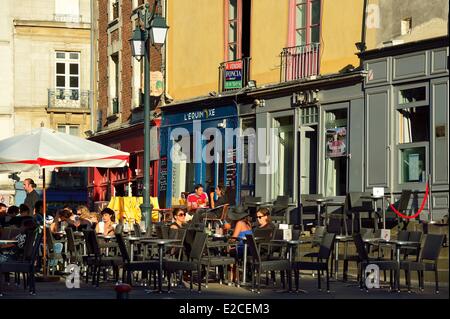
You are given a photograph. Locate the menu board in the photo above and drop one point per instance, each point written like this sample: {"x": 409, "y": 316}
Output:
{"x": 231, "y": 168}
{"x": 163, "y": 174}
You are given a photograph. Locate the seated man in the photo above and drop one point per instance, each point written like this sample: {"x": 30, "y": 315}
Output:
{"x": 197, "y": 200}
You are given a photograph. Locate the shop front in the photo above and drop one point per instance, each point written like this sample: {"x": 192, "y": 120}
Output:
{"x": 309, "y": 138}
{"x": 105, "y": 183}
{"x": 198, "y": 146}
{"x": 407, "y": 120}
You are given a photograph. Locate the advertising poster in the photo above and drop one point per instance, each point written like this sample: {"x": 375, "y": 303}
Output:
{"x": 336, "y": 142}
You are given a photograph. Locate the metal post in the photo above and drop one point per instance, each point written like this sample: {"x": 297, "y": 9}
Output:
{"x": 145, "y": 207}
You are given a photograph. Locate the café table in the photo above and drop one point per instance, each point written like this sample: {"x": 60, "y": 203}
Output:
{"x": 320, "y": 202}
{"x": 132, "y": 240}
{"x": 161, "y": 244}
{"x": 398, "y": 245}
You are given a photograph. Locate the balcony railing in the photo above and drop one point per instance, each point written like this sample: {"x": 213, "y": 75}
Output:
{"x": 68, "y": 98}
{"x": 300, "y": 62}
{"x": 234, "y": 75}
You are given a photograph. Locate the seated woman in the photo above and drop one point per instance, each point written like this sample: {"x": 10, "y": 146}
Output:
{"x": 106, "y": 226}
{"x": 264, "y": 219}
{"x": 179, "y": 217}
{"x": 81, "y": 220}
{"x": 61, "y": 220}
{"x": 242, "y": 226}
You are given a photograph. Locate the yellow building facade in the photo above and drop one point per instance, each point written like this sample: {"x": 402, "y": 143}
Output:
{"x": 260, "y": 30}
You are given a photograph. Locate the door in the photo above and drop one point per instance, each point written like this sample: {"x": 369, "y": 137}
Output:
{"x": 308, "y": 159}
{"x": 336, "y": 144}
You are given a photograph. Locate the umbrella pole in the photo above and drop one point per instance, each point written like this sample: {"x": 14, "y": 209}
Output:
{"x": 44, "y": 210}
{"x": 45, "y": 277}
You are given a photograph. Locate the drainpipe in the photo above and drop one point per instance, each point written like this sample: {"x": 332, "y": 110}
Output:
{"x": 362, "y": 45}
{"x": 91, "y": 93}
{"x": 164, "y": 58}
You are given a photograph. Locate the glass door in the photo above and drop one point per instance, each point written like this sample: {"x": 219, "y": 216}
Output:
{"x": 213, "y": 158}
{"x": 336, "y": 152}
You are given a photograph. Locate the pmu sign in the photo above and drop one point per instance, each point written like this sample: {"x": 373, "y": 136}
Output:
{"x": 233, "y": 75}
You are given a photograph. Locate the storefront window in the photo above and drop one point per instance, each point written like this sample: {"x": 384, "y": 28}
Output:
{"x": 283, "y": 153}
{"x": 183, "y": 166}
{"x": 336, "y": 153}
{"x": 248, "y": 165}
{"x": 414, "y": 125}
{"x": 412, "y": 95}
{"x": 413, "y": 139}
{"x": 413, "y": 164}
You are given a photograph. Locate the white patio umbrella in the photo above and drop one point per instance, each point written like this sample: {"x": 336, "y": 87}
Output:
{"x": 45, "y": 148}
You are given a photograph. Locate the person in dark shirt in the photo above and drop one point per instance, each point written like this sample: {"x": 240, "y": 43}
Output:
{"x": 264, "y": 220}
{"x": 32, "y": 196}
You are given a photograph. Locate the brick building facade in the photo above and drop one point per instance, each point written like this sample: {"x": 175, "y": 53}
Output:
{"x": 120, "y": 86}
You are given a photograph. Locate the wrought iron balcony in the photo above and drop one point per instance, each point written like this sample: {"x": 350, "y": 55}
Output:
{"x": 70, "y": 98}
{"x": 234, "y": 75}
{"x": 300, "y": 62}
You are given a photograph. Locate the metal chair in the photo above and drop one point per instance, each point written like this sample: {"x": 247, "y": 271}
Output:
{"x": 323, "y": 257}
{"x": 365, "y": 260}
{"x": 27, "y": 263}
{"x": 428, "y": 261}
{"x": 131, "y": 266}
{"x": 258, "y": 265}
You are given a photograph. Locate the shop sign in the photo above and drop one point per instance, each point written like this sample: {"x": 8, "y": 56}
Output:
{"x": 233, "y": 75}
{"x": 199, "y": 115}
{"x": 337, "y": 142}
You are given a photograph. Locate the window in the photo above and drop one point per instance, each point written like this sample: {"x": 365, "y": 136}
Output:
{"x": 307, "y": 24}
{"x": 183, "y": 166}
{"x": 406, "y": 26}
{"x": 232, "y": 30}
{"x": 413, "y": 140}
{"x": 414, "y": 125}
{"x": 237, "y": 30}
{"x": 114, "y": 75}
{"x": 248, "y": 166}
{"x": 69, "y": 129}
{"x": 67, "y": 75}
{"x": 413, "y": 132}
{"x": 113, "y": 10}
{"x": 138, "y": 82}
{"x": 336, "y": 152}
{"x": 413, "y": 164}
{"x": 412, "y": 95}
{"x": 283, "y": 150}
{"x": 309, "y": 115}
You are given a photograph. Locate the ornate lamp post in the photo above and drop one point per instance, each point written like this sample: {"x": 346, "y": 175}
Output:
{"x": 154, "y": 29}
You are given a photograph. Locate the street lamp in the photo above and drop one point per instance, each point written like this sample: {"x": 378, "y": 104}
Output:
{"x": 155, "y": 30}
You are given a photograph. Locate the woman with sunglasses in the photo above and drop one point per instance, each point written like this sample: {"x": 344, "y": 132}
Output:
{"x": 179, "y": 217}
{"x": 264, "y": 220}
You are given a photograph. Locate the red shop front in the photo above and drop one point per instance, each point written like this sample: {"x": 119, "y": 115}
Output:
{"x": 103, "y": 183}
